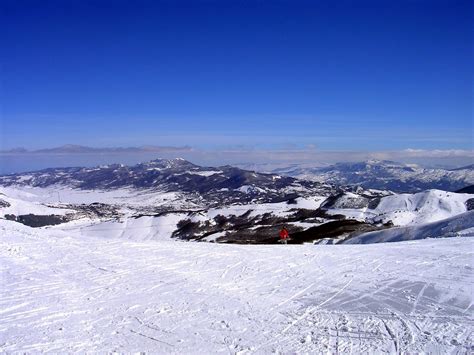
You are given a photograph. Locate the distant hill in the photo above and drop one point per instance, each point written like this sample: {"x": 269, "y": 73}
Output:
{"x": 385, "y": 175}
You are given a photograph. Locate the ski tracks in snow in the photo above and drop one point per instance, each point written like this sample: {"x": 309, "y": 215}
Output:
{"x": 70, "y": 294}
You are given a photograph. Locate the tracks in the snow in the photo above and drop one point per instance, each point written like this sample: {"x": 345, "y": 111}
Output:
{"x": 73, "y": 295}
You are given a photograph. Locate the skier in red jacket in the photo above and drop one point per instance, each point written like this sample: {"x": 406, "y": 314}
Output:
{"x": 284, "y": 235}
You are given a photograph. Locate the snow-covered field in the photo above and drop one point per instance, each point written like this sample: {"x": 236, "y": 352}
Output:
{"x": 64, "y": 293}
{"x": 59, "y": 195}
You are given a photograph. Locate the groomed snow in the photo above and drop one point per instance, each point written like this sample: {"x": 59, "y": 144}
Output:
{"x": 82, "y": 294}
{"x": 142, "y": 228}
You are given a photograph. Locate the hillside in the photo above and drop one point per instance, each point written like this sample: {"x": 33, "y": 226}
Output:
{"x": 461, "y": 225}
{"x": 384, "y": 175}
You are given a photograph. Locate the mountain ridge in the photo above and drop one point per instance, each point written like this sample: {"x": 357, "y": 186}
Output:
{"x": 386, "y": 175}
{"x": 213, "y": 184}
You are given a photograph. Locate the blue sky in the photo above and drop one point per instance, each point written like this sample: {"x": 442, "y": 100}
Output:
{"x": 335, "y": 75}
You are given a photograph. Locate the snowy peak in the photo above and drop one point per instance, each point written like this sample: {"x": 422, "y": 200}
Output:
{"x": 388, "y": 175}
{"x": 423, "y": 207}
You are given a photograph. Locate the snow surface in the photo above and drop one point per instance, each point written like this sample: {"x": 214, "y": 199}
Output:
{"x": 20, "y": 206}
{"x": 58, "y": 195}
{"x": 142, "y": 228}
{"x": 461, "y": 225}
{"x": 410, "y": 209}
{"x": 205, "y": 173}
{"x": 278, "y": 209}
{"x": 62, "y": 293}
{"x": 423, "y": 207}
{"x": 247, "y": 189}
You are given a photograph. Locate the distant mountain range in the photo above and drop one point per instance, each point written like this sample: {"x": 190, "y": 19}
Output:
{"x": 385, "y": 175}
{"x": 371, "y": 174}
{"x": 179, "y": 174}
{"x": 225, "y": 184}
{"x": 177, "y": 199}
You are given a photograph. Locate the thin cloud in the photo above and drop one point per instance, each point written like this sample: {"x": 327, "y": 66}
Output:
{"x": 245, "y": 156}
{"x": 79, "y": 149}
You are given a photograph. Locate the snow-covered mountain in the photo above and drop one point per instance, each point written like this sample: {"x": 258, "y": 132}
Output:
{"x": 385, "y": 175}
{"x": 461, "y": 225}
{"x": 401, "y": 209}
{"x": 201, "y": 185}
{"x": 427, "y": 214}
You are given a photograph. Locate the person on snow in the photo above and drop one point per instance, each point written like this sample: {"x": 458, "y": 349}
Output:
{"x": 284, "y": 235}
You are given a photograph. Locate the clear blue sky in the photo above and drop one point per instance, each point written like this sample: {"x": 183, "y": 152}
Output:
{"x": 353, "y": 75}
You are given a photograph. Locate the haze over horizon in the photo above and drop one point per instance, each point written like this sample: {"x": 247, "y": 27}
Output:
{"x": 238, "y": 76}
{"x": 23, "y": 160}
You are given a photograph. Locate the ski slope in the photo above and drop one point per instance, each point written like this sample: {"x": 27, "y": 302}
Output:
{"x": 423, "y": 207}
{"x": 461, "y": 225}
{"x": 408, "y": 209}
{"x": 62, "y": 293}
